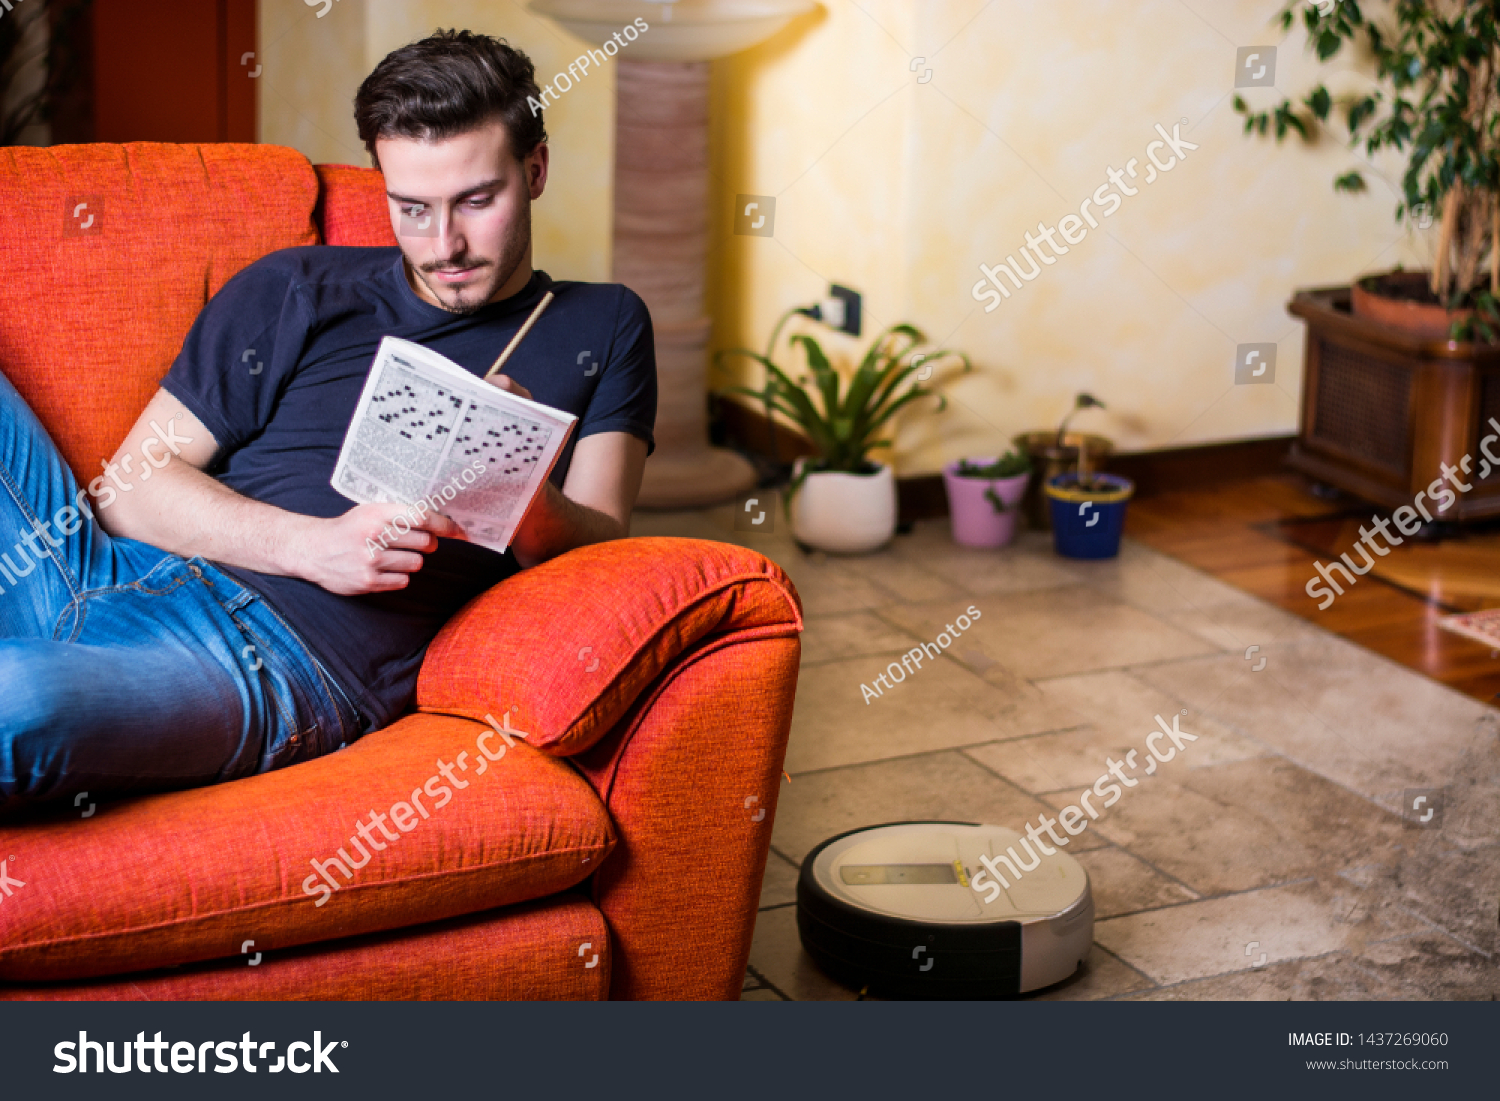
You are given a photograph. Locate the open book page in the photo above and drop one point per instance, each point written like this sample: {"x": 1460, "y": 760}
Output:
{"x": 426, "y": 430}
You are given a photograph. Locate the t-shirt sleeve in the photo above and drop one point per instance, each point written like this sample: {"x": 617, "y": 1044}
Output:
{"x": 625, "y": 400}
{"x": 240, "y": 353}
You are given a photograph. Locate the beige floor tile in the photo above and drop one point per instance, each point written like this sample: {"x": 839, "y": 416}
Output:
{"x": 1064, "y": 761}
{"x": 1054, "y": 632}
{"x": 827, "y": 586}
{"x": 1217, "y": 936}
{"x": 1117, "y": 712}
{"x": 1149, "y": 580}
{"x": 1239, "y": 626}
{"x": 763, "y": 994}
{"x": 1471, "y": 814}
{"x": 831, "y": 638}
{"x": 779, "y": 885}
{"x": 1336, "y": 977}
{"x": 1247, "y": 824}
{"x": 908, "y": 581}
{"x": 1101, "y": 976}
{"x": 1121, "y": 884}
{"x": 1456, "y": 891}
{"x": 1339, "y": 711}
{"x": 776, "y": 952}
{"x": 1026, "y": 565}
{"x": 934, "y": 786}
{"x": 1432, "y": 966}
{"x": 939, "y": 706}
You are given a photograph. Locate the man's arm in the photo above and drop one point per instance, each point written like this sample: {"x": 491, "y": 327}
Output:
{"x": 594, "y": 504}
{"x": 155, "y": 490}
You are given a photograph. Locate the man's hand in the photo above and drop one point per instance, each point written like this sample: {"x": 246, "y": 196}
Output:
{"x": 337, "y": 554}
{"x": 509, "y": 385}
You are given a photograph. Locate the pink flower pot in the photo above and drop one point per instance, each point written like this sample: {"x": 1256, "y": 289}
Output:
{"x": 975, "y": 521}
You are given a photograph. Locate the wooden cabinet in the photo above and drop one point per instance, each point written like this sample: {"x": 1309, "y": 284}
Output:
{"x": 1382, "y": 411}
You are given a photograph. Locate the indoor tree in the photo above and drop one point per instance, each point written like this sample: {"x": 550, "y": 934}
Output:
{"x": 1437, "y": 103}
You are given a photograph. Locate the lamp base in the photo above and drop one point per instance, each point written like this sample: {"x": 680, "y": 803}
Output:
{"x": 694, "y": 478}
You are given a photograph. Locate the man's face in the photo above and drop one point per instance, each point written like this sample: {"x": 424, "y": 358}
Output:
{"x": 461, "y": 209}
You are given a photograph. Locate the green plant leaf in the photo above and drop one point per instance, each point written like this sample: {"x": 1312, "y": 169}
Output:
{"x": 1318, "y": 102}
{"x": 823, "y": 373}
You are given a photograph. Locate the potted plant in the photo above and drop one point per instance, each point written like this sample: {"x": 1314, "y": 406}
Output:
{"x": 1088, "y": 513}
{"x": 984, "y": 498}
{"x": 1058, "y": 451}
{"x": 1394, "y": 364}
{"x": 841, "y": 500}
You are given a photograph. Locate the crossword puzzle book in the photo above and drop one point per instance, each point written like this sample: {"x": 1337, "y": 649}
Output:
{"x": 426, "y": 429}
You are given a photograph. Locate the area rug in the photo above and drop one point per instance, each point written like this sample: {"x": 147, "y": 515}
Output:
{"x": 1480, "y": 626}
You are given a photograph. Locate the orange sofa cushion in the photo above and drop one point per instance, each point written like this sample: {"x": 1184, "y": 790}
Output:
{"x": 551, "y": 950}
{"x": 192, "y": 875}
{"x": 353, "y": 209}
{"x": 610, "y": 618}
{"x": 93, "y": 314}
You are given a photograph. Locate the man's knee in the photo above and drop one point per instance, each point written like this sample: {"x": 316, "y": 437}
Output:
{"x": 39, "y": 712}
{"x": 36, "y": 697}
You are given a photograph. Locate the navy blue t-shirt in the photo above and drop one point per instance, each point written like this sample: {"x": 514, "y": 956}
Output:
{"x": 274, "y": 366}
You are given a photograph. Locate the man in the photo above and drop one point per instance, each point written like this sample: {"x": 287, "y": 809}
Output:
{"x": 216, "y": 609}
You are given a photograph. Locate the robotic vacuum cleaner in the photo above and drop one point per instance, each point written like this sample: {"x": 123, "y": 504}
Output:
{"x": 895, "y": 908}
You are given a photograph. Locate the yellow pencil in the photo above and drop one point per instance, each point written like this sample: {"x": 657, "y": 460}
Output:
{"x": 522, "y": 331}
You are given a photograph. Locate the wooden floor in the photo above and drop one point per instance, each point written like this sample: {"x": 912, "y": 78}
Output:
{"x": 1265, "y": 534}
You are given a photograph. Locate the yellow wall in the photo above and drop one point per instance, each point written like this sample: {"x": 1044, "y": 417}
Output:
{"x": 902, "y": 189}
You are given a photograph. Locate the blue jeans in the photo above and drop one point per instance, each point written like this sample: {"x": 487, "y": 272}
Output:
{"x": 125, "y": 669}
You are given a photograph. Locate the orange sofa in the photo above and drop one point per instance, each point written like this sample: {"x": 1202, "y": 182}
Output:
{"x": 608, "y": 841}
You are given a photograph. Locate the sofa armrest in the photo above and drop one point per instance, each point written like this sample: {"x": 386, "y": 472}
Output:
{"x": 690, "y": 780}
{"x": 668, "y": 668}
{"x": 560, "y": 652}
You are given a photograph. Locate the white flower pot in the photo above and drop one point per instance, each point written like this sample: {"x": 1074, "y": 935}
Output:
{"x": 845, "y": 513}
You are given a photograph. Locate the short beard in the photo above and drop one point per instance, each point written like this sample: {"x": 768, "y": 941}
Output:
{"x": 512, "y": 252}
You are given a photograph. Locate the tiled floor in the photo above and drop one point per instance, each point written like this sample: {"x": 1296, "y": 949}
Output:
{"x": 1280, "y": 827}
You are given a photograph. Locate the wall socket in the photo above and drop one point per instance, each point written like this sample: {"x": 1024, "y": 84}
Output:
{"x": 840, "y": 310}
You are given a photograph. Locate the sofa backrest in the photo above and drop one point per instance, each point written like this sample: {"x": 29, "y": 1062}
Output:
{"x": 111, "y": 250}
{"x": 353, "y": 208}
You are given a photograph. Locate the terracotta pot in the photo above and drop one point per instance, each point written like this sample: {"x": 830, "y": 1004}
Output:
{"x": 845, "y": 513}
{"x": 976, "y": 521}
{"x": 1421, "y": 319}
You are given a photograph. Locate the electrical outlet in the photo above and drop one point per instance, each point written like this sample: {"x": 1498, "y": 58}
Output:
{"x": 840, "y": 310}
{"x": 850, "y": 322}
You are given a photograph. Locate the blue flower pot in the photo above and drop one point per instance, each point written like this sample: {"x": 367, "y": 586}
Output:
{"x": 1088, "y": 523}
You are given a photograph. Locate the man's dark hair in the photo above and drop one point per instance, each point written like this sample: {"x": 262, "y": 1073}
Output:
{"x": 449, "y": 83}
